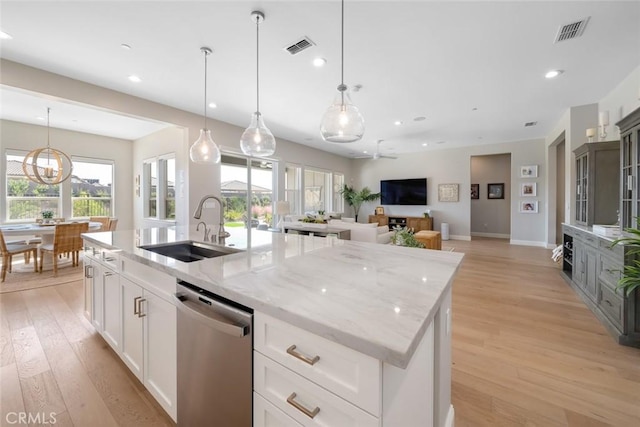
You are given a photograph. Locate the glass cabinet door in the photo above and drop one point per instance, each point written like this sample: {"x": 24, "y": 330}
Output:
{"x": 582, "y": 170}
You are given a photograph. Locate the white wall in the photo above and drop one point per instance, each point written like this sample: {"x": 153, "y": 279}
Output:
{"x": 199, "y": 179}
{"x": 453, "y": 167}
{"x": 27, "y": 137}
{"x": 621, "y": 101}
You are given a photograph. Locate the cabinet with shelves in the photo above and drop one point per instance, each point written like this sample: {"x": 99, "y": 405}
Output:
{"x": 597, "y": 184}
{"x": 417, "y": 223}
{"x": 630, "y": 174}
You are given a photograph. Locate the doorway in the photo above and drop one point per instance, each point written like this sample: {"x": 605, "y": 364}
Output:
{"x": 491, "y": 201}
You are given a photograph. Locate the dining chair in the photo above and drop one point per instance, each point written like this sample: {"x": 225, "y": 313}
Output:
{"x": 9, "y": 250}
{"x": 113, "y": 223}
{"x": 66, "y": 239}
{"x": 104, "y": 220}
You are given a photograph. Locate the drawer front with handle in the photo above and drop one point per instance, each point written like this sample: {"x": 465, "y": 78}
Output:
{"x": 612, "y": 305}
{"x": 616, "y": 251}
{"x": 110, "y": 259}
{"x": 341, "y": 370}
{"x": 610, "y": 271}
{"x": 304, "y": 401}
{"x": 267, "y": 415}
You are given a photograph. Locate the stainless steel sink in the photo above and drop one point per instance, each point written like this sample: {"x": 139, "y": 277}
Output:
{"x": 189, "y": 251}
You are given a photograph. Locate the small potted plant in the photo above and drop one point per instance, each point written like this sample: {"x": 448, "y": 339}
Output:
{"x": 404, "y": 236}
{"x": 47, "y": 217}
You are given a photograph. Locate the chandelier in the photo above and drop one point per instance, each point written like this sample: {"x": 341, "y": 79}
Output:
{"x": 47, "y": 165}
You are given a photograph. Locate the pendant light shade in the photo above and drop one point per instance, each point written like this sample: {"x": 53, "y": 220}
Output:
{"x": 204, "y": 150}
{"x": 342, "y": 122}
{"x": 257, "y": 140}
{"x": 56, "y": 169}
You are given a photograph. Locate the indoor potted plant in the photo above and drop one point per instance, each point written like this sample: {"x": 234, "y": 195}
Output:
{"x": 404, "y": 236}
{"x": 630, "y": 279}
{"x": 357, "y": 198}
{"x": 47, "y": 216}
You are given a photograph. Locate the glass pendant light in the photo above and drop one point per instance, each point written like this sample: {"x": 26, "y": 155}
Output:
{"x": 257, "y": 140}
{"x": 204, "y": 150}
{"x": 342, "y": 122}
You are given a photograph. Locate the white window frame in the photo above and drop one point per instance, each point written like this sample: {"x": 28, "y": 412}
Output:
{"x": 161, "y": 186}
{"x": 112, "y": 163}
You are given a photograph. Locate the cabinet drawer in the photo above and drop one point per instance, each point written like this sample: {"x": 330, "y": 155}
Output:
{"x": 616, "y": 251}
{"x": 610, "y": 271}
{"x": 267, "y": 415}
{"x": 153, "y": 280}
{"x": 341, "y": 370}
{"x": 110, "y": 259}
{"x": 588, "y": 239}
{"x": 612, "y": 305}
{"x": 304, "y": 401}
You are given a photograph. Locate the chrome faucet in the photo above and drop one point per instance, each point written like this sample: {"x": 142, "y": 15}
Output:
{"x": 222, "y": 234}
{"x": 206, "y": 230}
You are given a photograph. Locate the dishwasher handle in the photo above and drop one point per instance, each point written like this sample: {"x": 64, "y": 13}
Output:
{"x": 209, "y": 317}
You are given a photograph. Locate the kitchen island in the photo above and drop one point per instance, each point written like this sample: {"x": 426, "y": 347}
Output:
{"x": 387, "y": 305}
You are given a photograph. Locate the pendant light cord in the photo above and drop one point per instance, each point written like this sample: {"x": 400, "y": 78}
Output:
{"x": 206, "y": 54}
{"x": 48, "y": 132}
{"x": 258, "y": 65}
{"x": 342, "y": 86}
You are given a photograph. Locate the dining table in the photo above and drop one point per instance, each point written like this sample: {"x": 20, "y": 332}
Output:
{"x": 42, "y": 233}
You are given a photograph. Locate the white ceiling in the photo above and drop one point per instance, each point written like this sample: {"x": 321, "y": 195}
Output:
{"x": 439, "y": 60}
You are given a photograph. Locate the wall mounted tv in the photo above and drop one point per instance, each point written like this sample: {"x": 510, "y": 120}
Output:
{"x": 404, "y": 191}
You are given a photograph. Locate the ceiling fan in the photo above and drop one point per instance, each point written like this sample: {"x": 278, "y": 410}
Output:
{"x": 377, "y": 155}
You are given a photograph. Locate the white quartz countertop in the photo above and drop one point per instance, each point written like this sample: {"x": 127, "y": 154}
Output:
{"x": 376, "y": 299}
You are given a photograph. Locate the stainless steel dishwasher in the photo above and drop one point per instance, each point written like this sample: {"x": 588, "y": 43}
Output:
{"x": 215, "y": 373}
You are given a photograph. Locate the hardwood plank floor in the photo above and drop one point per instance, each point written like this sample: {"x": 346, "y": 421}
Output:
{"x": 526, "y": 352}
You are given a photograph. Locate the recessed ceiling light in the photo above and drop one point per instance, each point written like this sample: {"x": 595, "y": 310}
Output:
{"x": 135, "y": 78}
{"x": 5, "y": 36}
{"x": 125, "y": 46}
{"x": 365, "y": 151}
{"x": 397, "y": 122}
{"x": 419, "y": 118}
{"x": 213, "y": 105}
{"x": 553, "y": 73}
{"x": 319, "y": 62}
{"x": 39, "y": 117}
{"x": 424, "y": 144}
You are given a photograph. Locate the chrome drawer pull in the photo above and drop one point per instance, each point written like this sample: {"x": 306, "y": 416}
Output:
{"x": 140, "y": 313}
{"x": 299, "y": 407}
{"x": 311, "y": 361}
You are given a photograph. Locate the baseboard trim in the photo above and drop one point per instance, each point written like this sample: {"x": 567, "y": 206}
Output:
{"x": 492, "y": 235}
{"x": 458, "y": 237}
{"x": 528, "y": 243}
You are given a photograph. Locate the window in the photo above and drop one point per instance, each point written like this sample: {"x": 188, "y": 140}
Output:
{"x": 26, "y": 199}
{"x": 316, "y": 185}
{"x": 159, "y": 187}
{"x": 292, "y": 178}
{"x": 338, "y": 199}
{"x": 92, "y": 187}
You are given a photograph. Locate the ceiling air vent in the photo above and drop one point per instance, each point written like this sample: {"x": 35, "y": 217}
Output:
{"x": 299, "y": 46}
{"x": 572, "y": 30}
{"x": 529, "y": 124}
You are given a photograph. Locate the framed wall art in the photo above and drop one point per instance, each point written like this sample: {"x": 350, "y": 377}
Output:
{"x": 448, "y": 192}
{"x": 529, "y": 171}
{"x": 495, "y": 191}
{"x": 528, "y": 206}
{"x": 475, "y": 191}
{"x": 528, "y": 189}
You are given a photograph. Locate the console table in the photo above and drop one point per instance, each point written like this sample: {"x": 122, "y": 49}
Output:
{"x": 417, "y": 223}
{"x": 342, "y": 233}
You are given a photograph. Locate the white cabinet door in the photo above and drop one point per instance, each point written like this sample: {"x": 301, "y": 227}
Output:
{"x": 160, "y": 324}
{"x": 112, "y": 305}
{"x": 132, "y": 324}
{"x": 97, "y": 292}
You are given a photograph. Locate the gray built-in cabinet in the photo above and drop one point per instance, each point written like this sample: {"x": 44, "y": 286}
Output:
{"x": 597, "y": 182}
{"x": 591, "y": 264}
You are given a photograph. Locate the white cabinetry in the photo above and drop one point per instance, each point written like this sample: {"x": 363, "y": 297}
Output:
{"x": 149, "y": 326}
{"x": 130, "y": 305}
{"x": 303, "y": 379}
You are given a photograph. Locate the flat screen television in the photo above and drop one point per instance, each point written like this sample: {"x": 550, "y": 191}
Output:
{"x": 404, "y": 191}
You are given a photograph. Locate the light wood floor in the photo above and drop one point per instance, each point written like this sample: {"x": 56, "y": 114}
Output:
{"x": 526, "y": 352}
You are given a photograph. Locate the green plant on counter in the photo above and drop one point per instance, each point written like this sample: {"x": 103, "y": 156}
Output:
{"x": 404, "y": 236}
{"x": 314, "y": 219}
{"x": 47, "y": 214}
{"x": 631, "y": 274}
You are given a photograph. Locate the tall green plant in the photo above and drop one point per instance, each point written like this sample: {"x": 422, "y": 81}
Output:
{"x": 357, "y": 198}
{"x": 630, "y": 279}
